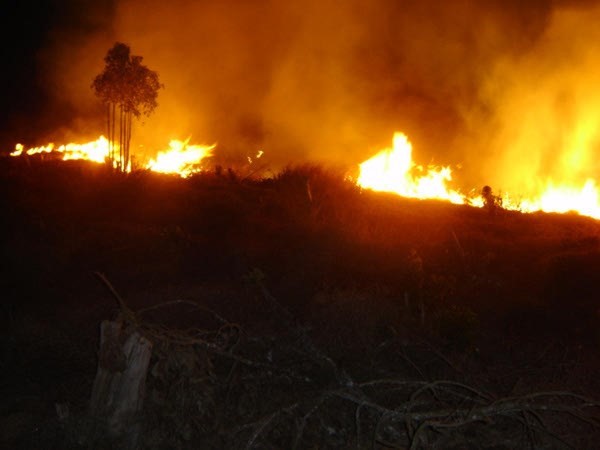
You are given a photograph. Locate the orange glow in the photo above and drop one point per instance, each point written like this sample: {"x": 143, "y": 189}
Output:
{"x": 181, "y": 158}
{"x": 393, "y": 170}
{"x": 95, "y": 151}
{"x": 584, "y": 200}
{"x": 18, "y": 150}
{"x": 390, "y": 170}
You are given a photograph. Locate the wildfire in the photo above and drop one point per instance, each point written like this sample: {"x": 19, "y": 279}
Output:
{"x": 584, "y": 200}
{"x": 393, "y": 170}
{"x": 180, "y": 158}
{"x": 390, "y": 170}
{"x": 96, "y": 151}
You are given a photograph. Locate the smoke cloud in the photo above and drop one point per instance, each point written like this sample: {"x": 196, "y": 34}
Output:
{"x": 502, "y": 88}
{"x": 545, "y": 126}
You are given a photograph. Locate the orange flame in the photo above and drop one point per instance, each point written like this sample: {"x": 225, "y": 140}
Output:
{"x": 584, "y": 200}
{"x": 181, "y": 157}
{"x": 96, "y": 151}
{"x": 393, "y": 170}
{"x": 390, "y": 170}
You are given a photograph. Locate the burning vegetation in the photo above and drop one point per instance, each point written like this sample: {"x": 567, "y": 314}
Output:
{"x": 129, "y": 89}
{"x": 391, "y": 170}
{"x": 180, "y": 158}
{"x": 407, "y": 300}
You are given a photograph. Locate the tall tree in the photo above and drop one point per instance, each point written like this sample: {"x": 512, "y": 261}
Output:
{"x": 128, "y": 89}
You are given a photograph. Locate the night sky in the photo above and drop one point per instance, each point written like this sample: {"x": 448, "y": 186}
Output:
{"x": 316, "y": 80}
{"x": 29, "y": 110}
{"x": 23, "y": 34}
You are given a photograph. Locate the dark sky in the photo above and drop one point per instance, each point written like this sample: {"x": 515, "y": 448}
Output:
{"x": 23, "y": 33}
{"x": 29, "y": 110}
{"x": 328, "y": 80}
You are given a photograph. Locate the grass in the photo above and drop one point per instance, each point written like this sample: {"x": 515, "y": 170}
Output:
{"x": 300, "y": 277}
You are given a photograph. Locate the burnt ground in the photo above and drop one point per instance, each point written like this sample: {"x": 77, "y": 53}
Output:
{"x": 295, "y": 312}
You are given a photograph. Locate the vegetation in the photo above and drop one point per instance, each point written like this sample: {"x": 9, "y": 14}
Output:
{"x": 491, "y": 202}
{"x": 128, "y": 89}
{"x": 296, "y": 312}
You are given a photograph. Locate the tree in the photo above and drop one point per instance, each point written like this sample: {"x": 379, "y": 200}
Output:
{"x": 128, "y": 89}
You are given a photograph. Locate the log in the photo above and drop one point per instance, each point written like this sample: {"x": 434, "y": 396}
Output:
{"x": 119, "y": 387}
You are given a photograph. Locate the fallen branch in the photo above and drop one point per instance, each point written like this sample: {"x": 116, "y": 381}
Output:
{"x": 415, "y": 412}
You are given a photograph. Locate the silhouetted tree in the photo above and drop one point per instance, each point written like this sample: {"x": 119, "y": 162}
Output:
{"x": 128, "y": 89}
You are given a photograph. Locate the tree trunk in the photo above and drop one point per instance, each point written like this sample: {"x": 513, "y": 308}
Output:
{"x": 121, "y": 146}
{"x": 108, "y": 131}
{"x": 129, "y": 124}
{"x": 126, "y": 124}
{"x": 119, "y": 387}
{"x": 112, "y": 134}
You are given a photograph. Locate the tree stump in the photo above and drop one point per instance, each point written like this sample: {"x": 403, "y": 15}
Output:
{"x": 119, "y": 386}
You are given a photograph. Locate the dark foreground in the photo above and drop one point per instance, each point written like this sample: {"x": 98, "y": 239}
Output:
{"x": 297, "y": 312}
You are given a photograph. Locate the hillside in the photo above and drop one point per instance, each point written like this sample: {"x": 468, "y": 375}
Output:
{"x": 310, "y": 313}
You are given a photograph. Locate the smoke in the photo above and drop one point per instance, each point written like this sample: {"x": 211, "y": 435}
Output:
{"x": 491, "y": 86}
{"x": 545, "y": 128}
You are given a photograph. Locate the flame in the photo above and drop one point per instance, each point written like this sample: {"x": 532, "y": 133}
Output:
{"x": 258, "y": 155}
{"x": 584, "y": 200}
{"x": 390, "y": 170}
{"x": 181, "y": 158}
{"x": 96, "y": 151}
{"x": 393, "y": 170}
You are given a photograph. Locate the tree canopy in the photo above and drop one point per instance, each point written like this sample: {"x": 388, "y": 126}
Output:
{"x": 128, "y": 88}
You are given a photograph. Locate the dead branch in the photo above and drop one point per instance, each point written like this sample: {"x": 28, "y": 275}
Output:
{"x": 183, "y": 302}
{"x": 414, "y": 411}
{"x": 127, "y": 313}
{"x": 456, "y": 417}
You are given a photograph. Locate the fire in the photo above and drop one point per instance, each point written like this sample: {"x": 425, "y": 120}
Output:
{"x": 393, "y": 170}
{"x": 390, "y": 170}
{"x": 96, "y": 151}
{"x": 584, "y": 200}
{"x": 181, "y": 158}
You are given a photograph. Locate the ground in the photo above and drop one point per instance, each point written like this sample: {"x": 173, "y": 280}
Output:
{"x": 295, "y": 312}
